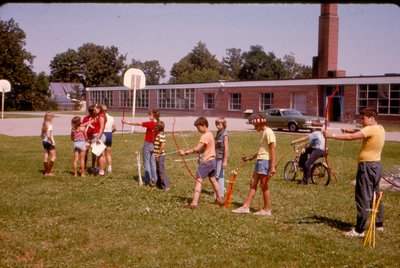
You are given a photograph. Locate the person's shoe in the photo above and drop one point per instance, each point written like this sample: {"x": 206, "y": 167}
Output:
{"x": 263, "y": 212}
{"x": 190, "y": 206}
{"x": 380, "y": 229}
{"x": 354, "y": 233}
{"x": 109, "y": 169}
{"x": 241, "y": 210}
{"x": 303, "y": 183}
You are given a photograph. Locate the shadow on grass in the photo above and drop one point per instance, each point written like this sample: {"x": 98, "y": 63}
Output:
{"x": 316, "y": 219}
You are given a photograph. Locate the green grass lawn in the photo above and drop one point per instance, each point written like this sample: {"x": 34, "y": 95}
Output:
{"x": 112, "y": 222}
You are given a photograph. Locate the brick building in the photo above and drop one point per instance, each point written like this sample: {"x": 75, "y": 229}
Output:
{"x": 236, "y": 99}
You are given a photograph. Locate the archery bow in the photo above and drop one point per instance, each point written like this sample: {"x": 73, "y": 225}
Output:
{"x": 326, "y": 126}
{"x": 183, "y": 158}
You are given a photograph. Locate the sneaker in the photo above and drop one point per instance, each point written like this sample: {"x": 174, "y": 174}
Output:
{"x": 263, "y": 212}
{"x": 241, "y": 210}
{"x": 380, "y": 229}
{"x": 354, "y": 233}
{"x": 109, "y": 169}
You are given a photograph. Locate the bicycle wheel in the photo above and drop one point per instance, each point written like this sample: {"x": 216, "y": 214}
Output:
{"x": 390, "y": 177}
{"x": 290, "y": 171}
{"x": 320, "y": 174}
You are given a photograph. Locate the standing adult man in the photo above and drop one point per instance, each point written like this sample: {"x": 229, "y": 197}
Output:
{"x": 369, "y": 167}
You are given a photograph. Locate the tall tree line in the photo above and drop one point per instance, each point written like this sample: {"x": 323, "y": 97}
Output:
{"x": 95, "y": 65}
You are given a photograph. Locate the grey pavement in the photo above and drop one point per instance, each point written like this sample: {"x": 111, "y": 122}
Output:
{"x": 19, "y": 127}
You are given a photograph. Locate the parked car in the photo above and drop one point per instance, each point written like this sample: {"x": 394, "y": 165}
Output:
{"x": 289, "y": 119}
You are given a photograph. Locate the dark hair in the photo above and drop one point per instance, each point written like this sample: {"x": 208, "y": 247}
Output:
{"x": 160, "y": 126}
{"x": 91, "y": 109}
{"x": 369, "y": 112}
{"x": 201, "y": 121}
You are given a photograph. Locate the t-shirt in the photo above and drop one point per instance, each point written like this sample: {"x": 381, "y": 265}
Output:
{"x": 317, "y": 140}
{"x": 372, "y": 145}
{"x": 219, "y": 143}
{"x": 160, "y": 139}
{"x": 109, "y": 124}
{"x": 96, "y": 123}
{"x": 267, "y": 137}
{"x": 89, "y": 127}
{"x": 150, "y": 134}
{"x": 78, "y": 134}
{"x": 208, "y": 151}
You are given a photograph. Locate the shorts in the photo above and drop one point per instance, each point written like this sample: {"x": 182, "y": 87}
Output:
{"x": 108, "y": 141}
{"x": 48, "y": 146}
{"x": 262, "y": 167}
{"x": 207, "y": 169}
{"x": 79, "y": 146}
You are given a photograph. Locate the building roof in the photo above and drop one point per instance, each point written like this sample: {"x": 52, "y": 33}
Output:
{"x": 60, "y": 92}
{"x": 357, "y": 80}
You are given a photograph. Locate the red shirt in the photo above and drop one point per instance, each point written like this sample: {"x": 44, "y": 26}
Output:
{"x": 96, "y": 123}
{"x": 150, "y": 134}
{"x": 89, "y": 128}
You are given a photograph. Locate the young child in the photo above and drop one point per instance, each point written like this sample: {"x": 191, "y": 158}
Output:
{"x": 149, "y": 163}
{"x": 314, "y": 149}
{"x": 263, "y": 169}
{"x": 78, "y": 135}
{"x": 159, "y": 155}
{"x": 222, "y": 153}
{"x": 207, "y": 163}
{"x": 49, "y": 144}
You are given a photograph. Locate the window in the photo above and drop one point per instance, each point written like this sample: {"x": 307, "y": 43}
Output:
{"x": 384, "y": 97}
{"x": 142, "y": 98}
{"x": 235, "y": 102}
{"x": 266, "y": 101}
{"x": 300, "y": 102}
{"x": 102, "y": 97}
{"x": 209, "y": 101}
{"x": 176, "y": 98}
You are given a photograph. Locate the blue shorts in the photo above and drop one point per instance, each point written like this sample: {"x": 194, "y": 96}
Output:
{"x": 48, "y": 146}
{"x": 79, "y": 146}
{"x": 262, "y": 167}
{"x": 207, "y": 169}
{"x": 108, "y": 141}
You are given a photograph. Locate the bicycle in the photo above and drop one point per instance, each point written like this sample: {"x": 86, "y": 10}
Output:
{"x": 320, "y": 173}
{"x": 392, "y": 177}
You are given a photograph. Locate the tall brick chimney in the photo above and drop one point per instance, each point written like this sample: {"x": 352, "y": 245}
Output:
{"x": 326, "y": 63}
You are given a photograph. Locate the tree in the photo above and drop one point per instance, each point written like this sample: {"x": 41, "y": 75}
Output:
{"x": 151, "y": 69}
{"x": 199, "y": 66}
{"x": 294, "y": 70}
{"x": 28, "y": 91}
{"x": 65, "y": 67}
{"x": 258, "y": 65}
{"x": 100, "y": 66}
{"x": 233, "y": 62}
{"x": 92, "y": 65}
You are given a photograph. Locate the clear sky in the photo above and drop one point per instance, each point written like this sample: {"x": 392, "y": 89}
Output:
{"x": 369, "y": 34}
